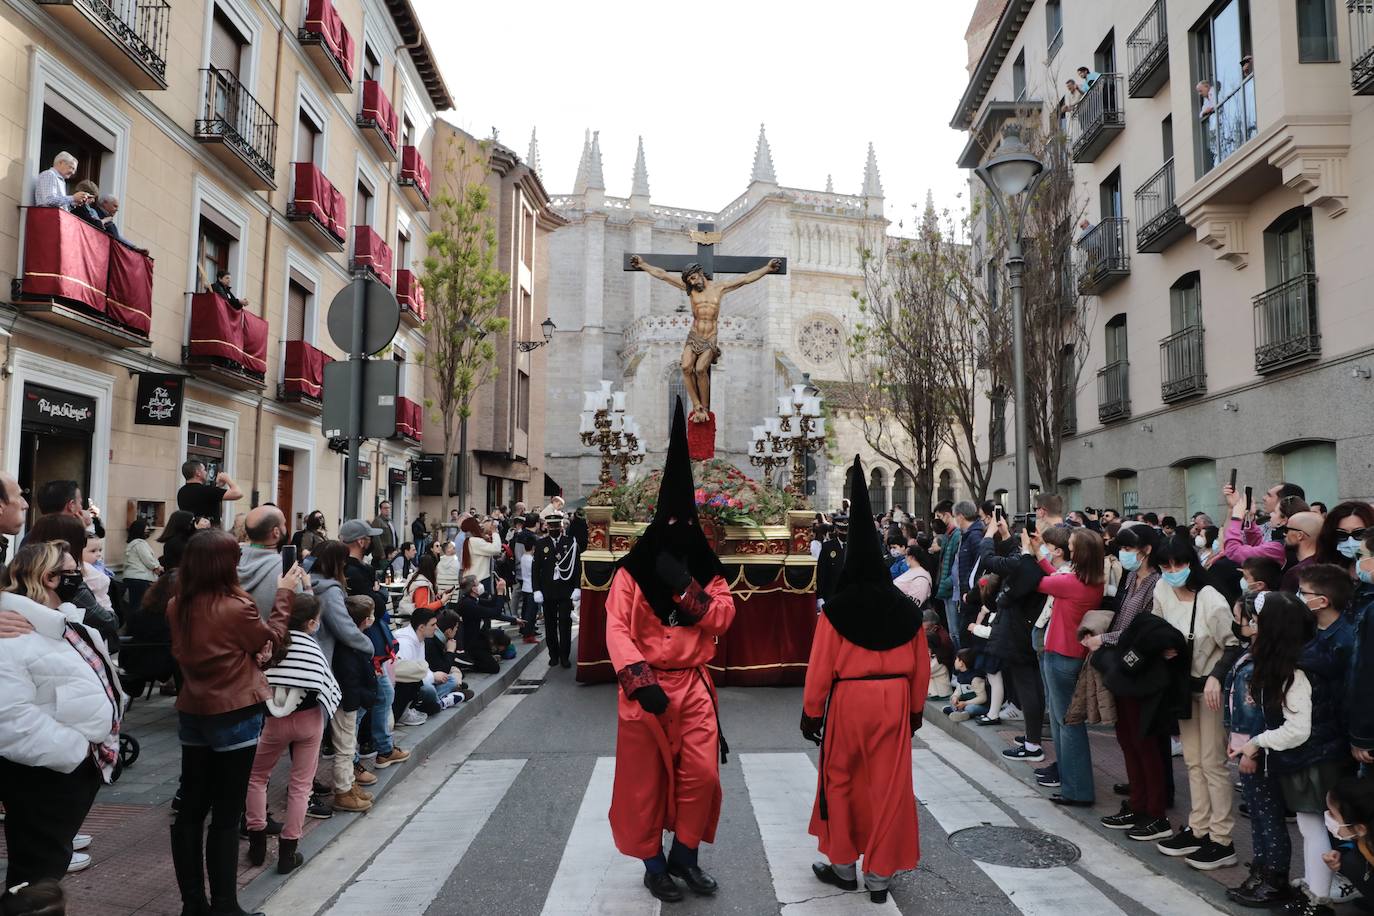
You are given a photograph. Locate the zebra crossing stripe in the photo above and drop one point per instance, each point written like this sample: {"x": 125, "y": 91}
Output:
{"x": 401, "y": 879}
{"x": 781, "y": 789}
{"x": 593, "y": 877}
{"x": 1101, "y": 858}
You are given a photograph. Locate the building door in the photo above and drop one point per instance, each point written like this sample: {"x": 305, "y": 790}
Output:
{"x": 55, "y": 435}
{"x": 1313, "y": 467}
{"x": 1201, "y": 489}
{"x": 286, "y": 485}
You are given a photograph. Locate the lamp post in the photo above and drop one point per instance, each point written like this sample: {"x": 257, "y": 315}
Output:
{"x": 766, "y": 451}
{"x": 1015, "y": 171}
{"x": 548, "y": 327}
{"x": 615, "y": 433}
{"x": 798, "y": 430}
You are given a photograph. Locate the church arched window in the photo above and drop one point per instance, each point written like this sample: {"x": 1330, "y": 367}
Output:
{"x": 677, "y": 389}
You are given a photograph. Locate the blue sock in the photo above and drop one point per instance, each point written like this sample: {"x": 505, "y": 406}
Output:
{"x": 656, "y": 865}
{"x": 682, "y": 855}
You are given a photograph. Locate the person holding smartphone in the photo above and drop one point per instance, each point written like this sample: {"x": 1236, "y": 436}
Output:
{"x": 260, "y": 562}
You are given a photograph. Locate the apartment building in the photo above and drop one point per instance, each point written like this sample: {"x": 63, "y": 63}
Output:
{"x": 285, "y": 143}
{"x": 1224, "y": 158}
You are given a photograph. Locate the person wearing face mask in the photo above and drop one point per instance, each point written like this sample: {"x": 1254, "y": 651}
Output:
{"x": 1349, "y": 817}
{"x": 1198, "y": 611}
{"x": 557, "y": 575}
{"x": 1361, "y": 683}
{"x": 1343, "y": 530}
{"x": 896, "y": 555}
{"x": 1208, "y": 543}
{"x": 60, "y": 710}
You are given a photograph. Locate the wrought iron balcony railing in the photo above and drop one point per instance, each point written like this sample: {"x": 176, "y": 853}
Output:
{"x": 1286, "y": 328}
{"x": 1181, "y": 369}
{"x": 1147, "y": 53}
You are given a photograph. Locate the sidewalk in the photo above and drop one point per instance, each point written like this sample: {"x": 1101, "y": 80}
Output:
{"x": 1109, "y": 767}
{"x": 131, "y": 871}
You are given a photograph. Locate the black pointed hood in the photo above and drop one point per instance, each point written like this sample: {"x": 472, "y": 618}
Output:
{"x": 866, "y": 608}
{"x": 685, "y": 539}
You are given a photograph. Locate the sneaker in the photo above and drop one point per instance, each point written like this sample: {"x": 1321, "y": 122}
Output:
{"x": 531, "y": 640}
{"x": 1182, "y": 843}
{"x": 449, "y": 700}
{"x": 1121, "y": 788}
{"x": 81, "y": 841}
{"x": 1157, "y": 829}
{"x": 361, "y": 793}
{"x": 320, "y": 788}
{"x": 348, "y": 802}
{"x": 396, "y": 756}
{"x": 1212, "y": 856}
{"x": 1011, "y": 712}
{"x": 320, "y": 808}
{"x": 412, "y": 717}
{"x": 1124, "y": 819}
{"x": 1021, "y": 752}
{"x": 1342, "y": 890}
{"x": 1051, "y": 770}
{"x": 959, "y": 716}
{"x": 1305, "y": 905}
{"x": 1049, "y": 782}
{"x": 80, "y": 862}
{"x": 362, "y": 776}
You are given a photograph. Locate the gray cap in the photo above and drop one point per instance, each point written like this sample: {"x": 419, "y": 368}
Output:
{"x": 356, "y": 528}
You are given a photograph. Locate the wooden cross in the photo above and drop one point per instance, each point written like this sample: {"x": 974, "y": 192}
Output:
{"x": 706, "y": 236}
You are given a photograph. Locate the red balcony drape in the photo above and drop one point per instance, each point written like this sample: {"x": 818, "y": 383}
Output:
{"x": 371, "y": 252}
{"x": 322, "y": 17}
{"x": 409, "y": 293}
{"x": 409, "y": 419}
{"x": 303, "y": 373}
{"x": 316, "y": 195}
{"x": 68, "y": 258}
{"x": 222, "y": 331}
{"x": 414, "y": 167}
{"x": 378, "y": 107}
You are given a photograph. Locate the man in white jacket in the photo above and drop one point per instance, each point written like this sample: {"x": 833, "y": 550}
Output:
{"x": 416, "y": 684}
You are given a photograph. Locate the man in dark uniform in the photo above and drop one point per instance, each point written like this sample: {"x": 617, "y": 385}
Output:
{"x": 557, "y": 573}
{"x": 831, "y": 560}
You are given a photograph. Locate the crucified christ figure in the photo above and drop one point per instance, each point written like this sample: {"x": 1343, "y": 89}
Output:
{"x": 702, "y": 349}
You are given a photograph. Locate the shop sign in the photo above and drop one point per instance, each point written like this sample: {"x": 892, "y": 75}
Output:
{"x": 50, "y": 407}
{"x": 397, "y": 477}
{"x": 159, "y": 399}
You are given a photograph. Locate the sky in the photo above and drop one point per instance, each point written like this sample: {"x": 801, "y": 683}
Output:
{"x": 697, "y": 80}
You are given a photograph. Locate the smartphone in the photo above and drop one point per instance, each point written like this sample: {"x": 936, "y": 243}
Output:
{"x": 999, "y": 513}
{"x": 1233, "y": 478}
{"x": 1030, "y": 523}
{"x": 1249, "y": 497}
{"x": 288, "y": 558}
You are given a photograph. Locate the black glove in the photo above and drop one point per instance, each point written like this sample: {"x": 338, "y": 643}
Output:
{"x": 917, "y": 720}
{"x": 811, "y": 728}
{"x": 652, "y": 698}
{"x": 673, "y": 572}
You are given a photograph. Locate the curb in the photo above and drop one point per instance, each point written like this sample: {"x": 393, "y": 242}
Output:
{"x": 1173, "y": 869}
{"x": 253, "y": 895}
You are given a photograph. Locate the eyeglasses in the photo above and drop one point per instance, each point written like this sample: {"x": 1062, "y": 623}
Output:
{"x": 1358, "y": 534}
{"x": 1282, "y": 530}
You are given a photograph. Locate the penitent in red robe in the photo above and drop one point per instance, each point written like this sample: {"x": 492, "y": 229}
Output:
{"x": 866, "y": 752}
{"x": 666, "y": 772}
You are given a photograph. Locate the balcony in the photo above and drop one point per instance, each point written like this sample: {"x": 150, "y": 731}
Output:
{"x": 1147, "y": 54}
{"x": 77, "y": 277}
{"x": 1361, "y": 46}
{"x": 414, "y": 178}
{"x": 1157, "y": 219}
{"x": 409, "y": 421}
{"x": 1099, "y": 117}
{"x": 378, "y": 120}
{"x": 1069, "y": 422}
{"x": 1114, "y": 391}
{"x": 129, "y": 35}
{"x": 238, "y": 130}
{"x": 1286, "y": 329}
{"x": 328, "y": 45}
{"x": 1103, "y": 257}
{"x": 226, "y": 345}
{"x": 318, "y": 207}
{"x": 302, "y": 375}
{"x": 370, "y": 253}
{"x": 1180, "y": 365}
{"x": 411, "y": 297}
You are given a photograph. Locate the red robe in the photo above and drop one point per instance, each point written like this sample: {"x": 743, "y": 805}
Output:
{"x": 866, "y": 752}
{"x": 667, "y": 775}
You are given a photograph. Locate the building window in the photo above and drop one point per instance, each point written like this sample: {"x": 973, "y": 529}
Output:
{"x": 362, "y": 204}
{"x": 1054, "y": 27}
{"x": 1018, "y": 76}
{"x": 1200, "y": 488}
{"x": 227, "y": 44}
{"x": 522, "y": 401}
{"x": 901, "y": 490}
{"x": 1068, "y": 389}
{"x": 1289, "y": 248}
{"x": 993, "y": 293}
{"x": 214, "y": 248}
{"x": 206, "y": 445}
{"x": 877, "y": 490}
{"x": 1185, "y": 303}
{"x": 1116, "y": 339}
{"x": 372, "y": 64}
{"x": 997, "y": 428}
{"x": 407, "y": 131}
{"x": 298, "y": 298}
{"x": 944, "y": 489}
{"x": 1313, "y": 467}
{"x": 1317, "y": 32}
{"x": 1224, "y": 83}
{"x": 398, "y": 355}
{"x": 677, "y": 388}
{"x": 401, "y": 256}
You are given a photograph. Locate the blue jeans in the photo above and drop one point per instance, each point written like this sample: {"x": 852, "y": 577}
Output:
{"x": 973, "y": 709}
{"x": 1273, "y": 848}
{"x": 952, "y": 619}
{"x": 431, "y": 694}
{"x": 1070, "y": 741}
{"x": 381, "y": 711}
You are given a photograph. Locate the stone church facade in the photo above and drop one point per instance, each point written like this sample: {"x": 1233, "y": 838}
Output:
{"x": 628, "y": 328}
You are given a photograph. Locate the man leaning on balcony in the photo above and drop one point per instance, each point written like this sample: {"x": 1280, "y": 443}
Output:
{"x": 51, "y": 189}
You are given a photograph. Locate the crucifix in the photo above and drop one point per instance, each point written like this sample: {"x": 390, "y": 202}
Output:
{"x": 695, "y": 275}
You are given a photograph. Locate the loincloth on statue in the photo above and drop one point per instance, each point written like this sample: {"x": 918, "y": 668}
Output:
{"x": 699, "y": 344}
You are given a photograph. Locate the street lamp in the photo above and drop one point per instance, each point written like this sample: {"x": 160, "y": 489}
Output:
{"x": 1015, "y": 171}
{"x": 548, "y": 327}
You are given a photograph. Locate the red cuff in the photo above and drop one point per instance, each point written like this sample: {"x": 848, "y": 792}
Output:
{"x": 634, "y": 676}
{"x": 694, "y": 605}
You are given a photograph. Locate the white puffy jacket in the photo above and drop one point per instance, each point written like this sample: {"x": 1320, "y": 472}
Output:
{"x": 52, "y": 704}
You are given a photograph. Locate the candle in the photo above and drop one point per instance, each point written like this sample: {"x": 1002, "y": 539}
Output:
{"x": 591, "y": 401}
{"x": 812, "y": 407}
{"x": 820, "y": 429}
{"x": 798, "y": 393}
{"x": 617, "y": 422}
{"x": 605, "y": 388}
{"x": 771, "y": 426}
{"x": 784, "y": 406}
{"x": 618, "y": 401}
{"x": 587, "y": 425}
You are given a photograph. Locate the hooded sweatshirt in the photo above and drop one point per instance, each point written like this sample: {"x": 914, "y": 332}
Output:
{"x": 336, "y": 626}
{"x": 259, "y": 572}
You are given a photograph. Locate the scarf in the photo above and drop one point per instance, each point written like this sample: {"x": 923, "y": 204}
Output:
{"x": 304, "y": 670}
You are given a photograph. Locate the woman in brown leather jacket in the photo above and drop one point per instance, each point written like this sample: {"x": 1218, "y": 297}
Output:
{"x": 220, "y": 643}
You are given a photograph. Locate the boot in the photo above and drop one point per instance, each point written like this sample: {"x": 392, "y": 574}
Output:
{"x": 188, "y": 860}
{"x": 257, "y": 847}
{"x": 222, "y": 867}
{"x": 288, "y": 859}
{"x": 1266, "y": 887}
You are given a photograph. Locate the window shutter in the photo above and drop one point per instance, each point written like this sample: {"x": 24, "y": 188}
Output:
{"x": 226, "y": 45}
{"x": 297, "y": 299}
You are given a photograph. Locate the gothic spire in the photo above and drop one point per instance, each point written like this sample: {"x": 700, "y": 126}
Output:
{"x": 639, "y": 186}
{"x": 763, "y": 161}
{"x": 873, "y": 186}
{"x": 830, "y": 184}
{"x": 532, "y": 157}
{"x": 580, "y": 183}
{"x": 595, "y": 180}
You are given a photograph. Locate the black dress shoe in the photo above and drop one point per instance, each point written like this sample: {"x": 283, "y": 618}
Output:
{"x": 1070, "y": 802}
{"x": 565, "y": 663}
{"x": 698, "y": 882}
{"x": 663, "y": 886}
{"x": 878, "y": 896}
{"x": 1121, "y": 788}
{"x": 827, "y": 874}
